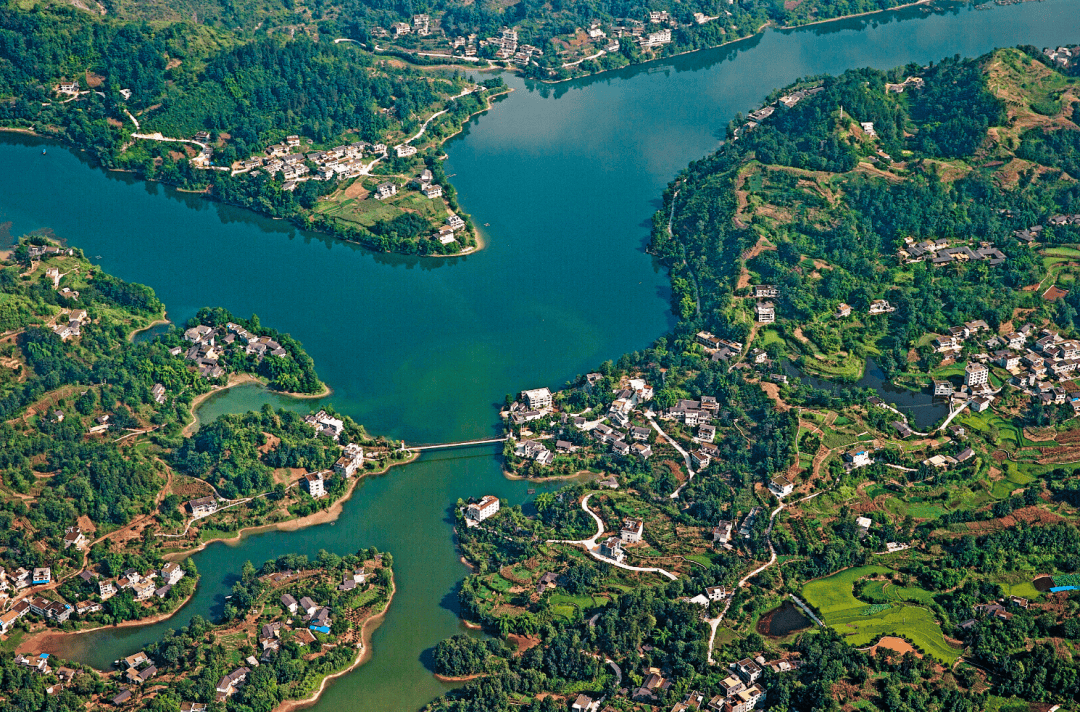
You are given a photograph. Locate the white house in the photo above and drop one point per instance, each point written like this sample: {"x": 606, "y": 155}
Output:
{"x": 315, "y": 484}
{"x": 976, "y": 374}
{"x": 483, "y": 509}
{"x": 385, "y": 190}
{"x": 782, "y": 486}
{"x": 612, "y": 549}
{"x": 631, "y": 531}
{"x": 537, "y": 398}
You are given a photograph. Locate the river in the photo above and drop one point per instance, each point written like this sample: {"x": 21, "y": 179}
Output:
{"x": 567, "y": 176}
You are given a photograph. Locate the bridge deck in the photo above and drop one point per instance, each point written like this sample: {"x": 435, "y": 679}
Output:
{"x": 464, "y": 443}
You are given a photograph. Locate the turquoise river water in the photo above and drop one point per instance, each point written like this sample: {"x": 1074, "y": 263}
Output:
{"x": 565, "y": 179}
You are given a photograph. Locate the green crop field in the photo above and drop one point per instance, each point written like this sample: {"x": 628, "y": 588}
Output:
{"x": 861, "y": 623}
{"x": 835, "y": 593}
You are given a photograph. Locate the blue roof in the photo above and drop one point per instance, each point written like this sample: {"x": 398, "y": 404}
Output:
{"x": 44, "y": 655}
{"x": 320, "y": 628}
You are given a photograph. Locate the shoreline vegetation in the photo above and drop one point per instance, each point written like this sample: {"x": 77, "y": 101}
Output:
{"x": 49, "y": 638}
{"x": 236, "y": 536}
{"x": 312, "y": 218}
{"x": 725, "y": 43}
{"x": 363, "y": 655}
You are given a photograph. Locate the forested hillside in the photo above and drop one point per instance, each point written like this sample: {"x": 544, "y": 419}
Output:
{"x": 820, "y": 543}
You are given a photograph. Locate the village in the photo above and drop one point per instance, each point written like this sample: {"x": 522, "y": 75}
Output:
{"x": 542, "y": 582}
{"x": 289, "y": 613}
{"x": 425, "y": 37}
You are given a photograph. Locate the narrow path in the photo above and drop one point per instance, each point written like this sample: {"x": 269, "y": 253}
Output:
{"x": 133, "y": 119}
{"x": 953, "y": 415}
{"x": 678, "y": 448}
{"x": 714, "y": 623}
{"x": 806, "y": 610}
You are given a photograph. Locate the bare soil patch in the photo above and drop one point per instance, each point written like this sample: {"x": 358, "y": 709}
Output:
{"x": 897, "y": 645}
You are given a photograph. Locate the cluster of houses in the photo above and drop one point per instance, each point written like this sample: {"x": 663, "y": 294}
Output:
{"x": 421, "y": 26}
{"x": 938, "y": 253}
{"x": 340, "y": 161}
{"x": 717, "y": 348}
{"x": 39, "y": 664}
{"x": 741, "y": 691}
{"x": 310, "y": 618}
{"x": 347, "y": 464}
{"x": 209, "y": 344}
{"x": 1042, "y": 364}
{"x": 510, "y": 48}
{"x": 142, "y": 586}
{"x": 1063, "y": 57}
{"x": 1034, "y": 233}
{"x": 630, "y": 533}
{"x": 613, "y": 428}
{"x": 69, "y": 325}
{"x": 448, "y": 233}
{"x": 698, "y": 415}
{"x": 787, "y": 101}
{"x": 152, "y": 584}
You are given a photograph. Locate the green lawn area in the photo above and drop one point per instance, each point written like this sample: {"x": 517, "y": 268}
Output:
{"x": 1025, "y": 589}
{"x": 862, "y": 623}
{"x": 564, "y": 605}
{"x": 364, "y": 598}
{"x": 835, "y": 593}
{"x": 769, "y": 336}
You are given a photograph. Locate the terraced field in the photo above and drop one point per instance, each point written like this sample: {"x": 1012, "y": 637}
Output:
{"x": 861, "y": 622}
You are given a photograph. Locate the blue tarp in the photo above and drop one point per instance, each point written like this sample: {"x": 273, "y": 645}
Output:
{"x": 1055, "y": 589}
{"x": 320, "y": 628}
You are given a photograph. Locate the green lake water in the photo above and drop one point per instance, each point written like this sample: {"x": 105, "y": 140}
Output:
{"x": 567, "y": 177}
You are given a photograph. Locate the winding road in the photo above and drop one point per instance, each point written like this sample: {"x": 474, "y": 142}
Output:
{"x": 593, "y": 548}
{"x": 674, "y": 444}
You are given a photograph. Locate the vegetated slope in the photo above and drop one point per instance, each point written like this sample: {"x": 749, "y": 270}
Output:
{"x": 954, "y": 160}
{"x": 818, "y": 200}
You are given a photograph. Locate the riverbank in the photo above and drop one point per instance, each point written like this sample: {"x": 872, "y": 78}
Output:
{"x": 49, "y": 640}
{"x": 148, "y": 327}
{"x": 15, "y": 129}
{"x": 757, "y": 33}
{"x": 459, "y": 678}
{"x": 234, "y": 538}
{"x": 362, "y": 656}
{"x": 237, "y": 379}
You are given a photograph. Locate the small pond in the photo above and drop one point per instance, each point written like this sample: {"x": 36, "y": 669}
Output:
{"x": 783, "y": 621}
{"x": 922, "y": 409}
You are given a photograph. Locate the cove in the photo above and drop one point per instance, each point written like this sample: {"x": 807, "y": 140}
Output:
{"x": 567, "y": 177}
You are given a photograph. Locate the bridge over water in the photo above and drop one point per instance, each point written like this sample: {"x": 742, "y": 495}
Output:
{"x": 446, "y": 446}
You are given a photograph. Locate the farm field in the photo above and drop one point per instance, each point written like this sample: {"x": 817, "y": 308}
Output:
{"x": 861, "y": 623}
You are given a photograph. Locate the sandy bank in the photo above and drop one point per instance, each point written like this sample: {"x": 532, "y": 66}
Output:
{"x": 362, "y": 656}
{"x": 49, "y": 640}
{"x": 323, "y": 517}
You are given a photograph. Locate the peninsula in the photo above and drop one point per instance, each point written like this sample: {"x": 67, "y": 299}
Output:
{"x": 103, "y": 490}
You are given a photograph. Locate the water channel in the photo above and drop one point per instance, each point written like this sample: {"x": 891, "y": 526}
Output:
{"x": 565, "y": 179}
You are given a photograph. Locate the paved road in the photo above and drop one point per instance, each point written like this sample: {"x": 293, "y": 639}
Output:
{"x": 593, "y": 549}
{"x": 678, "y": 448}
